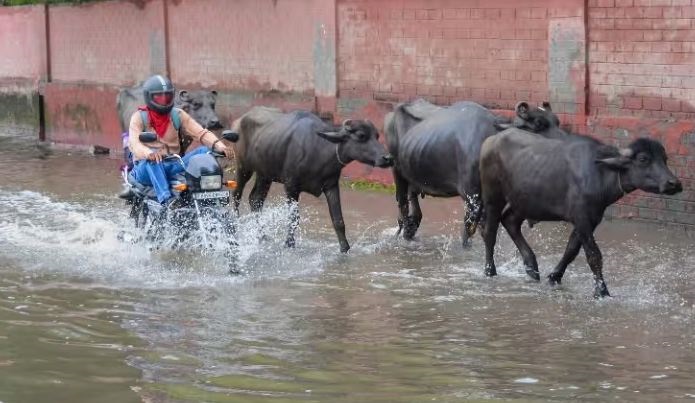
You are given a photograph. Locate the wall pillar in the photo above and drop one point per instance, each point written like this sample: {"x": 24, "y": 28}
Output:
{"x": 324, "y": 54}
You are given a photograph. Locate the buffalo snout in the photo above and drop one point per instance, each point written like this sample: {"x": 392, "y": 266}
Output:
{"x": 385, "y": 161}
{"x": 214, "y": 124}
{"x": 671, "y": 186}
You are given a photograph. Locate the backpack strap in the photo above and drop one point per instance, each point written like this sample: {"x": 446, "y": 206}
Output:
{"x": 143, "y": 116}
{"x": 184, "y": 141}
{"x": 176, "y": 119}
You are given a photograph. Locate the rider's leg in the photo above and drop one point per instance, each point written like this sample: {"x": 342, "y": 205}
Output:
{"x": 153, "y": 174}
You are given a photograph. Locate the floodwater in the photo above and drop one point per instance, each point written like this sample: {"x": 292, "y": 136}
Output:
{"x": 87, "y": 318}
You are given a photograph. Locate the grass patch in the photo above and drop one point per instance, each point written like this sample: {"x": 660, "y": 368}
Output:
{"x": 365, "y": 185}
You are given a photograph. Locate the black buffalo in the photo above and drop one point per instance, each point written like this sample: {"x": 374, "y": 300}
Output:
{"x": 526, "y": 176}
{"x": 199, "y": 104}
{"x": 305, "y": 154}
{"x": 437, "y": 153}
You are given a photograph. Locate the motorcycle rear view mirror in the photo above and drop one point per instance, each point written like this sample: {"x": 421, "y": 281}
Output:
{"x": 230, "y": 135}
{"x": 147, "y": 137}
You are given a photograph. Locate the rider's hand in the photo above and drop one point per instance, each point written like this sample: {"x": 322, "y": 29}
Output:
{"x": 227, "y": 151}
{"x": 155, "y": 156}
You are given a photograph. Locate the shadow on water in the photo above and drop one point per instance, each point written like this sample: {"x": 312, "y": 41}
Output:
{"x": 85, "y": 317}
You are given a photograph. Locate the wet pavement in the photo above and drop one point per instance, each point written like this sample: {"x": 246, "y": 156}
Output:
{"x": 85, "y": 317}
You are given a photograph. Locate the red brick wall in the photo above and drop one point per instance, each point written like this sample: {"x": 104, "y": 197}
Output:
{"x": 22, "y": 42}
{"x": 114, "y": 42}
{"x": 495, "y": 52}
{"x": 82, "y": 114}
{"x": 642, "y": 83}
{"x": 249, "y": 45}
{"x": 641, "y": 56}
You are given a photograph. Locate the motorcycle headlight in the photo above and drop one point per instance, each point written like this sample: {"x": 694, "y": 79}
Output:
{"x": 211, "y": 182}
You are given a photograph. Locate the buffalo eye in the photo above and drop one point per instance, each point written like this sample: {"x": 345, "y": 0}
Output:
{"x": 212, "y": 106}
{"x": 360, "y": 136}
{"x": 643, "y": 159}
{"x": 197, "y": 105}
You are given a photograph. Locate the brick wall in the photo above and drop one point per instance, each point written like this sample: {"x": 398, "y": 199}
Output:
{"x": 114, "y": 42}
{"x": 249, "y": 45}
{"x": 495, "y": 52}
{"x": 22, "y": 42}
{"x": 641, "y": 55}
{"x": 642, "y": 83}
{"x": 22, "y": 64}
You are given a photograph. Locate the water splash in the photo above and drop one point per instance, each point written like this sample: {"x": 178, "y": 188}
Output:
{"x": 81, "y": 239}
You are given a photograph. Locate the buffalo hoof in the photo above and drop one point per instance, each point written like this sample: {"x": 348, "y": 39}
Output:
{"x": 601, "y": 291}
{"x": 289, "y": 243}
{"x": 409, "y": 232}
{"x": 534, "y": 274}
{"x": 344, "y": 248}
{"x": 409, "y": 228}
{"x": 466, "y": 243}
{"x": 554, "y": 280}
{"x": 400, "y": 229}
{"x": 490, "y": 271}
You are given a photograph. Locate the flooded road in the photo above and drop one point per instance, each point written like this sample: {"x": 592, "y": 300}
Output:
{"x": 85, "y": 317}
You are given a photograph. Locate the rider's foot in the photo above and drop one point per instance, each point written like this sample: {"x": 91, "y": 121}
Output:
{"x": 127, "y": 193}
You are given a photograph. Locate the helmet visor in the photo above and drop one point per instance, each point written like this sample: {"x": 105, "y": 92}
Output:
{"x": 163, "y": 98}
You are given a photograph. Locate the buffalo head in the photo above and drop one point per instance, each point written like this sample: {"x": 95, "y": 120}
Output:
{"x": 539, "y": 119}
{"x": 201, "y": 106}
{"x": 643, "y": 166}
{"x": 358, "y": 140}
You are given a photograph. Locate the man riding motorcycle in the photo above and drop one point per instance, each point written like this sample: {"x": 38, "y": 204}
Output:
{"x": 149, "y": 168}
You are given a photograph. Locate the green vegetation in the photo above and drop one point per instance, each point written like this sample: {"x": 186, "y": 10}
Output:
{"x": 361, "y": 184}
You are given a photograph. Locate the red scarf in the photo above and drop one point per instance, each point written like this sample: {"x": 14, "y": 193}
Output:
{"x": 158, "y": 121}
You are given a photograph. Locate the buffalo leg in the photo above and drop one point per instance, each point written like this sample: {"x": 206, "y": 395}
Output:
{"x": 292, "y": 193}
{"x": 415, "y": 218}
{"x": 401, "y": 199}
{"x": 472, "y": 217}
{"x": 243, "y": 177}
{"x": 571, "y": 252}
{"x": 595, "y": 260}
{"x": 512, "y": 223}
{"x": 259, "y": 193}
{"x": 492, "y": 222}
{"x": 333, "y": 199}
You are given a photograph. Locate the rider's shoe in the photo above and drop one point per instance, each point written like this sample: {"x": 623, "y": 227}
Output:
{"x": 127, "y": 193}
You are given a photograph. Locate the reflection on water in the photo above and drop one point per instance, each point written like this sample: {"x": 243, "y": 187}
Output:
{"x": 85, "y": 317}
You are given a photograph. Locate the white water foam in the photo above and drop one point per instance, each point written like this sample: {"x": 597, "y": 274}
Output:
{"x": 46, "y": 235}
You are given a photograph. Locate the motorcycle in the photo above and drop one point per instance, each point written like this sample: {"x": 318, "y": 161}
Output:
{"x": 199, "y": 204}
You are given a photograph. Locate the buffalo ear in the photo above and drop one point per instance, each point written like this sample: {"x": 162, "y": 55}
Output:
{"x": 213, "y": 92}
{"x": 521, "y": 109}
{"x": 183, "y": 96}
{"x": 546, "y": 106}
{"x": 333, "y": 137}
{"x": 614, "y": 162}
{"x": 620, "y": 161}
